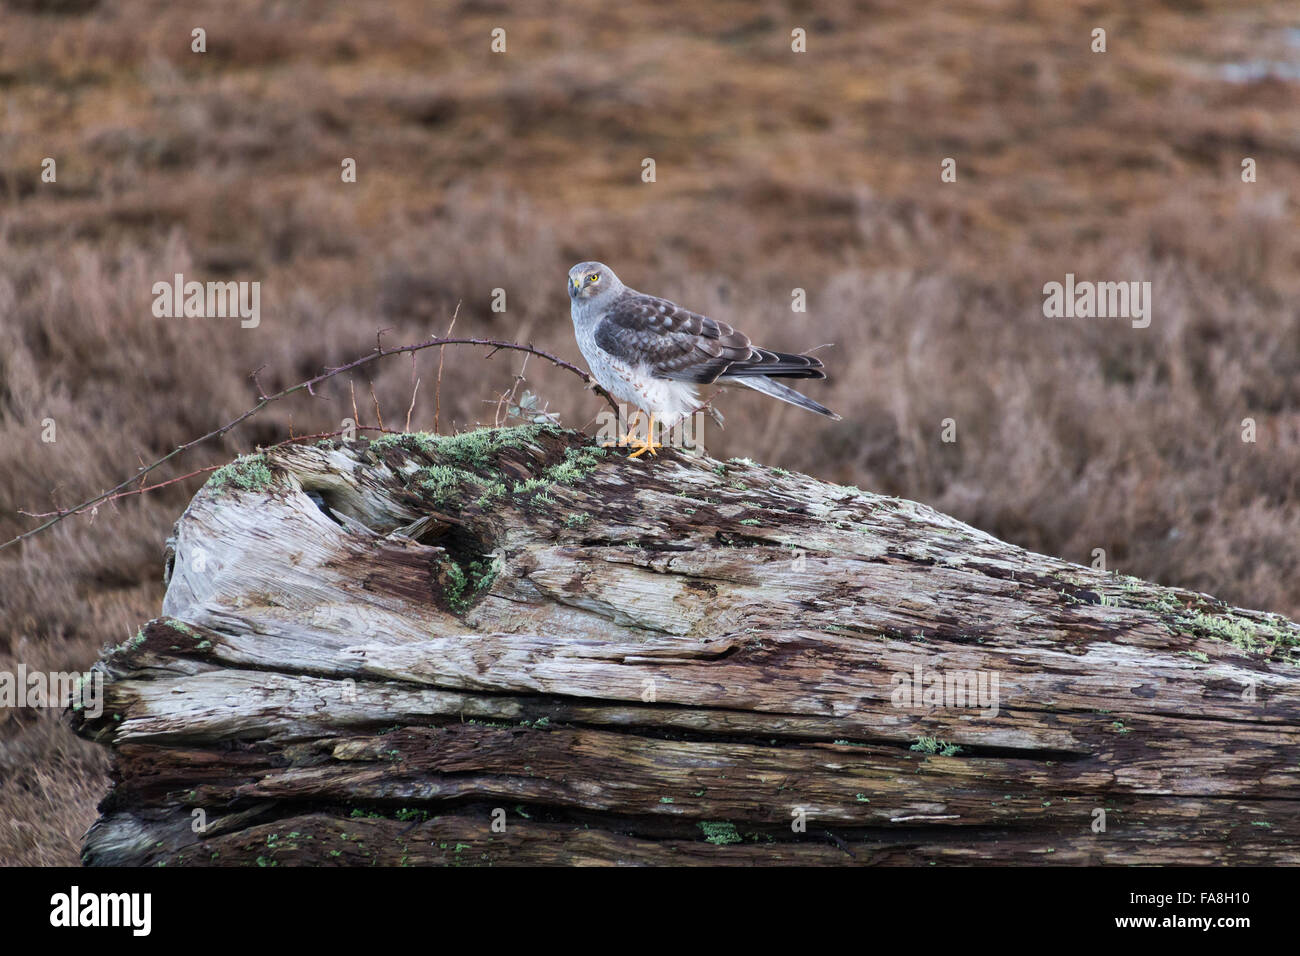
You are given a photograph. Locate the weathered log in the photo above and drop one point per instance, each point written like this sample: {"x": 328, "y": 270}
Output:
{"x": 510, "y": 646}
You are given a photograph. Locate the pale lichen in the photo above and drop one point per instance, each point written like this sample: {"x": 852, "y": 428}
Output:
{"x": 248, "y": 472}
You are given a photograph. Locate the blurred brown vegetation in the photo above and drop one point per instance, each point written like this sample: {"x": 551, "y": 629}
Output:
{"x": 775, "y": 171}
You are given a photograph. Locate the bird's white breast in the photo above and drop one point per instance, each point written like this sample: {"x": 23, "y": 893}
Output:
{"x": 667, "y": 400}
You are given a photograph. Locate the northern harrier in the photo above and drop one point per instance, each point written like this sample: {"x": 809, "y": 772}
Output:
{"x": 652, "y": 353}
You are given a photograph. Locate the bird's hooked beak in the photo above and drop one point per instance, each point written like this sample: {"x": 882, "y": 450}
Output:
{"x": 575, "y": 285}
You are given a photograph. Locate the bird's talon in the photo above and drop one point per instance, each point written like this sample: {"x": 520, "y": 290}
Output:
{"x": 647, "y": 446}
{"x": 629, "y": 439}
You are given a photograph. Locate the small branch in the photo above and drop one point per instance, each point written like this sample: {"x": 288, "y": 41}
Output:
{"x": 126, "y": 494}
{"x": 415, "y": 387}
{"x": 261, "y": 392}
{"x": 292, "y": 440}
{"x": 410, "y": 408}
{"x": 437, "y": 391}
{"x": 308, "y": 387}
{"x": 379, "y": 416}
{"x": 509, "y": 395}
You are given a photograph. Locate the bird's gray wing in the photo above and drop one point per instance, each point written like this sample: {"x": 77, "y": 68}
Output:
{"x": 674, "y": 343}
{"x": 684, "y": 346}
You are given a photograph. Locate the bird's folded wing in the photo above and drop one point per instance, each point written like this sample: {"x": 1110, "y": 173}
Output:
{"x": 684, "y": 346}
{"x": 671, "y": 342}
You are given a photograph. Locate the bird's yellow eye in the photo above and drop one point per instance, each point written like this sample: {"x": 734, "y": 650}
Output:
{"x": 594, "y": 277}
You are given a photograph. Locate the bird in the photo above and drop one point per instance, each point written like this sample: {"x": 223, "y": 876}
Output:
{"x": 652, "y": 353}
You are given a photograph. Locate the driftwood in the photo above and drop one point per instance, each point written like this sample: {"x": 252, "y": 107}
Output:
{"x": 510, "y": 646}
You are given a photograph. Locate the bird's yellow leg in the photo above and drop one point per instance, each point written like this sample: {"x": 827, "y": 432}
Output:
{"x": 649, "y": 445}
{"x": 629, "y": 437}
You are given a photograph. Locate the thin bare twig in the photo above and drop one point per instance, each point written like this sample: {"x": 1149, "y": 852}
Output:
{"x": 291, "y": 440}
{"x": 410, "y": 408}
{"x": 261, "y": 392}
{"x": 437, "y": 391}
{"x": 509, "y": 395}
{"x": 379, "y": 416}
{"x": 308, "y": 387}
{"x": 127, "y": 494}
{"x": 414, "y": 388}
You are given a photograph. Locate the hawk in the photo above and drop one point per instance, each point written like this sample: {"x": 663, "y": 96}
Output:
{"x": 652, "y": 353}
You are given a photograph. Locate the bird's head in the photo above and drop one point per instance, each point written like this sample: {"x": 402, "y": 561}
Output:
{"x": 587, "y": 280}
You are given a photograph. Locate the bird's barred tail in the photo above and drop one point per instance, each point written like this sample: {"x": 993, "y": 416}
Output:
{"x": 776, "y": 365}
{"x": 785, "y": 394}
